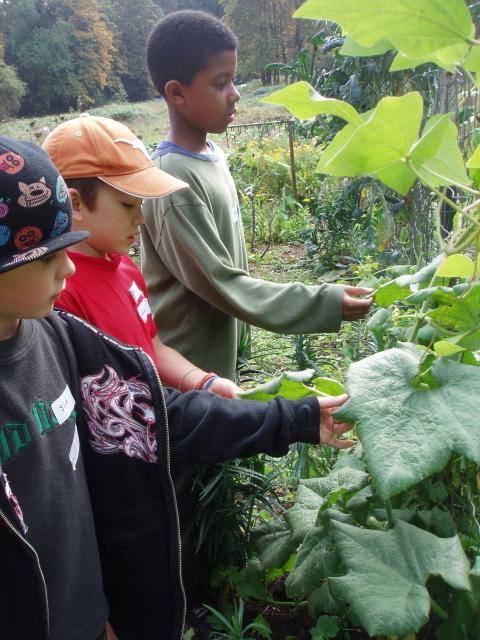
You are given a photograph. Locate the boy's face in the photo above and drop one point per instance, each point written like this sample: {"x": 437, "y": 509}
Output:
{"x": 29, "y": 291}
{"x": 113, "y": 221}
{"x": 210, "y": 100}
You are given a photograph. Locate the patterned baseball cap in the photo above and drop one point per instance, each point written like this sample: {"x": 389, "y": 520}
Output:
{"x": 35, "y": 208}
{"x": 97, "y": 147}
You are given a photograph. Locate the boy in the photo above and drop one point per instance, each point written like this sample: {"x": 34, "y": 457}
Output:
{"x": 193, "y": 249}
{"x": 108, "y": 172}
{"x": 87, "y": 513}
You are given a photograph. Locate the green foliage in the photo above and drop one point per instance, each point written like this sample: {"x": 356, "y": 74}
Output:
{"x": 272, "y": 33}
{"x": 389, "y": 540}
{"x": 294, "y": 385}
{"x": 62, "y": 52}
{"x": 234, "y": 628}
{"x": 440, "y": 31}
{"x": 12, "y": 90}
{"x": 262, "y": 174}
{"x": 387, "y": 572}
{"x": 443, "y": 395}
{"x": 40, "y": 51}
{"x": 384, "y": 143}
{"x": 140, "y": 17}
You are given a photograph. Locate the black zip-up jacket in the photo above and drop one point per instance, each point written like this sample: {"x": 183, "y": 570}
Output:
{"x": 130, "y": 427}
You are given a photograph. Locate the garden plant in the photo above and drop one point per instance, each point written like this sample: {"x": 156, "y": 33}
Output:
{"x": 389, "y": 541}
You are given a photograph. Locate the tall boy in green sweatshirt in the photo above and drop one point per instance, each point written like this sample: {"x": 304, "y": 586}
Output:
{"x": 194, "y": 258}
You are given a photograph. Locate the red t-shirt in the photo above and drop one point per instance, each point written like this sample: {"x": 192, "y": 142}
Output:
{"x": 113, "y": 296}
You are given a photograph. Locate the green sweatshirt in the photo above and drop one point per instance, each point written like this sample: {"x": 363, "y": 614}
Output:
{"x": 195, "y": 264}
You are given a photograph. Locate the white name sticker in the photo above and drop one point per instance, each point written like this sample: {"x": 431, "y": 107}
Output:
{"x": 135, "y": 291}
{"x": 74, "y": 449}
{"x": 63, "y": 406}
{"x": 144, "y": 309}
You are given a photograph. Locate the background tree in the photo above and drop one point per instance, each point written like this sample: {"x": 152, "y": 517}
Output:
{"x": 39, "y": 48}
{"x": 210, "y": 6}
{"x": 91, "y": 43}
{"x": 273, "y": 35}
{"x": 134, "y": 21}
{"x": 12, "y": 89}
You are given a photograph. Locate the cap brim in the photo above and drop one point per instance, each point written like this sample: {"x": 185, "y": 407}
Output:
{"x": 150, "y": 182}
{"x": 13, "y": 261}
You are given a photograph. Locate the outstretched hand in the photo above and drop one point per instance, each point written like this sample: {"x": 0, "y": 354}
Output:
{"x": 330, "y": 428}
{"x": 224, "y": 387}
{"x": 355, "y": 308}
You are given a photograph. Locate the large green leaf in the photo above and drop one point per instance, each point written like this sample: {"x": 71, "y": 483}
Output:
{"x": 425, "y": 274}
{"x": 456, "y": 266}
{"x": 409, "y": 430}
{"x": 380, "y": 145}
{"x": 354, "y": 49}
{"x": 389, "y": 293}
{"x": 304, "y": 102}
{"x": 437, "y": 156}
{"x": 325, "y": 628}
{"x": 387, "y": 573}
{"x": 294, "y": 385}
{"x": 474, "y": 161}
{"x": 414, "y": 27}
{"x": 472, "y": 61}
{"x": 274, "y": 544}
{"x": 459, "y": 314}
{"x": 463, "y": 612}
{"x": 303, "y": 515}
{"x": 448, "y": 58}
{"x": 290, "y": 385}
{"x": 317, "y": 560}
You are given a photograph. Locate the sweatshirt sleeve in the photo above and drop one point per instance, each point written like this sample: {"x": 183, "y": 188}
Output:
{"x": 187, "y": 240}
{"x": 206, "y": 429}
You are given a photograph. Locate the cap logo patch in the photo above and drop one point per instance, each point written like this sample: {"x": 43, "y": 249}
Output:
{"x": 11, "y": 162}
{"x": 4, "y": 234}
{"x": 60, "y": 224}
{"x": 3, "y": 209}
{"x": 136, "y": 144}
{"x": 34, "y": 194}
{"x": 61, "y": 190}
{"x": 28, "y": 237}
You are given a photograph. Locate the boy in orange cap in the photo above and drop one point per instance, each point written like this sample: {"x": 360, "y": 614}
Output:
{"x": 109, "y": 171}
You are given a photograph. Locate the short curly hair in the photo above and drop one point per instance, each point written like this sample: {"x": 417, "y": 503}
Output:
{"x": 182, "y": 44}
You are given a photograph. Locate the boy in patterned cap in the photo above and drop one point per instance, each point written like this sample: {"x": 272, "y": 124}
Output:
{"x": 88, "y": 514}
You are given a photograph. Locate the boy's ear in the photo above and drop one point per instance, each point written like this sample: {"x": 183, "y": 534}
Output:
{"x": 174, "y": 92}
{"x": 76, "y": 199}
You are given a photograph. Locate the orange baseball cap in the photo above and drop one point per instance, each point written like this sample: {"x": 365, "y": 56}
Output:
{"x": 96, "y": 147}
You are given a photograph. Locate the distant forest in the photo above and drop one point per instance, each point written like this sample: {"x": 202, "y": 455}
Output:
{"x": 57, "y": 55}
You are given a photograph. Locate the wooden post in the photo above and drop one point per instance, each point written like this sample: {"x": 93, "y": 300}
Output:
{"x": 290, "y": 128}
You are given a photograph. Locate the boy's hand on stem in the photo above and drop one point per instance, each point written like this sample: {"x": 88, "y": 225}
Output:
{"x": 224, "y": 387}
{"x": 355, "y": 308}
{"x": 330, "y": 428}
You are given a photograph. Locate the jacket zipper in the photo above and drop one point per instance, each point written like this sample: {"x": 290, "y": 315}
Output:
{"x": 37, "y": 560}
{"x": 177, "y": 517}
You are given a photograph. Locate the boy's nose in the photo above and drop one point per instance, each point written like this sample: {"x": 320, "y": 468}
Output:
{"x": 68, "y": 268}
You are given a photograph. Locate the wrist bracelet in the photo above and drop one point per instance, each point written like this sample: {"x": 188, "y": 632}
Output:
{"x": 179, "y": 386}
{"x": 206, "y": 381}
{"x": 209, "y": 383}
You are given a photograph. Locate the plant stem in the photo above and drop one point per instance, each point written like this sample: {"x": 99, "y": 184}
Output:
{"x": 418, "y": 323}
{"x": 441, "y": 613}
{"x": 282, "y": 603}
{"x": 390, "y": 516}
